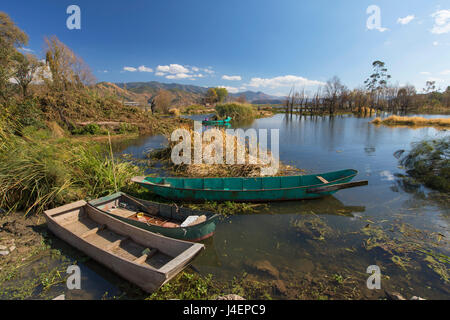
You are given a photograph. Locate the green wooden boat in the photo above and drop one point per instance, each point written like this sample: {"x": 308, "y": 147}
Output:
{"x": 260, "y": 189}
{"x": 216, "y": 122}
{"x": 168, "y": 220}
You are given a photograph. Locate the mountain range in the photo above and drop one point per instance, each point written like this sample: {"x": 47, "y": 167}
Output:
{"x": 182, "y": 94}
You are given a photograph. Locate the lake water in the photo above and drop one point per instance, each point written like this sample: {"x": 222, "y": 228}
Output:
{"x": 320, "y": 249}
{"x": 330, "y": 242}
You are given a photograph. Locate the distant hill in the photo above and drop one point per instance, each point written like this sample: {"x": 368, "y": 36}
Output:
{"x": 258, "y": 97}
{"x": 182, "y": 94}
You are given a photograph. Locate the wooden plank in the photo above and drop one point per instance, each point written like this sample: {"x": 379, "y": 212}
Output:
{"x": 144, "y": 257}
{"x": 338, "y": 186}
{"x": 322, "y": 179}
{"x": 93, "y": 231}
{"x": 65, "y": 208}
{"x": 124, "y": 213}
{"x": 116, "y": 243}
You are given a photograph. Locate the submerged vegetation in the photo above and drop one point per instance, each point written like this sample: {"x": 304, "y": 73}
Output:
{"x": 413, "y": 121}
{"x": 429, "y": 163}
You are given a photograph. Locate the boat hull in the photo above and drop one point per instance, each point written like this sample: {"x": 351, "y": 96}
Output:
{"x": 193, "y": 233}
{"x": 279, "y": 193}
{"x": 81, "y": 225}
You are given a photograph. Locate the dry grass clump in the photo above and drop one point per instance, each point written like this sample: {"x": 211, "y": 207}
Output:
{"x": 413, "y": 121}
{"x": 175, "y": 112}
{"x": 251, "y": 168}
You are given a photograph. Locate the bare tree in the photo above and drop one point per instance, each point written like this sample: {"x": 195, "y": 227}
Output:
{"x": 333, "y": 91}
{"x": 67, "y": 69}
{"x": 163, "y": 101}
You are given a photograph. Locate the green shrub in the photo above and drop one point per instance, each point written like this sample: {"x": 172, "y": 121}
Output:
{"x": 89, "y": 129}
{"x": 237, "y": 111}
{"x": 127, "y": 128}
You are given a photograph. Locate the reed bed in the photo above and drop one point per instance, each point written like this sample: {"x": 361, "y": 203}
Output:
{"x": 252, "y": 167}
{"x": 36, "y": 174}
{"x": 413, "y": 121}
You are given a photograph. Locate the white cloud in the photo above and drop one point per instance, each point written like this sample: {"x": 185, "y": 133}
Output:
{"x": 406, "y": 19}
{"x": 283, "y": 81}
{"x": 145, "y": 69}
{"x": 426, "y": 73}
{"x": 230, "y": 89}
{"x": 178, "y": 76}
{"x": 26, "y": 49}
{"x": 177, "y": 71}
{"x": 441, "y": 22}
{"x": 130, "y": 69}
{"x": 173, "y": 69}
{"x": 387, "y": 176}
{"x": 435, "y": 43}
{"x": 445, "y": 72}
{"x": 231, "y": 78}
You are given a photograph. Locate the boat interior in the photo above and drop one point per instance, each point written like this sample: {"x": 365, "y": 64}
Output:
{"x": 81, "y": 223}
{"x": 128, "y": 208}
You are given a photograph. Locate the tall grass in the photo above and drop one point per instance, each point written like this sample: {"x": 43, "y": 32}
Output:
{"x": 237, "y": 111}
{"x": 36, "y": 174}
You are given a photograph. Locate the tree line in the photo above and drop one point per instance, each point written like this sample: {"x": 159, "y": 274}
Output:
{"x": 377, "y": 94}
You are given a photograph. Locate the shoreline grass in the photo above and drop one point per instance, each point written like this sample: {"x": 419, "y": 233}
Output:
{"x": 36, "y": 174}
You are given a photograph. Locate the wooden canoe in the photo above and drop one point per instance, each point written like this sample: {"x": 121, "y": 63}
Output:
{"x": 260, "y": 189}
{"x": 144, "y": 258}
{"x": 158, "y": 217}
{"x": 216, "y": 122}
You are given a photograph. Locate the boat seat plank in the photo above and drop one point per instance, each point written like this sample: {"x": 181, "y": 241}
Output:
{"x": 81, "y": 226}
{"x": 144, "y": 257}
{"x": 323, "y": 179}
{"x": 124, "y": 213}
{"x": 116, "y": 243}
{"x": 92, "y": 231}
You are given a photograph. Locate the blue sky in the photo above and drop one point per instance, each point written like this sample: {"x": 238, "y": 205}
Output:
{"x": 254, "y": 45}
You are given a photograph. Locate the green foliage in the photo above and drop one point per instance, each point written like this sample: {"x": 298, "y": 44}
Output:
{"x": 89, "y": 129}
{"x": 429, "y": 162}
{"x": 127, "y": 128}
{"x": 26, "y": 113}
{"x": 222, "y": 93}
{"x": 237, "y": 111}
{"x": 211, "y": 96}
{"x": 187, "y": 286}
